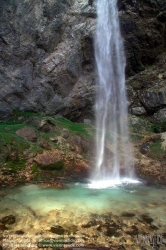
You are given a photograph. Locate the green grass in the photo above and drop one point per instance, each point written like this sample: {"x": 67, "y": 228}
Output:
{"x": 19, "y": 165}
{"x": 158, "y": 127}
{"x": 156, "y": 151}
{"x": 81, "y": 128}
{"x": 8, "y": 136}
{"x": 17, "y": 113}
{"x": 34, "y": 169}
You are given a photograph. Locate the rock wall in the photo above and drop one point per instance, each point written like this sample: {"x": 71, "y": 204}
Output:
{"x": 46, "y": 52}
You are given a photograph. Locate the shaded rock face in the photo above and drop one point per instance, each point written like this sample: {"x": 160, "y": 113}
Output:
{"x": 47, "y": 55}
{"x": 147, "y": 92}
{"x": 144, "y": 30}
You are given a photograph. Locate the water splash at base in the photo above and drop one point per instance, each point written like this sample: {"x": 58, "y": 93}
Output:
{"x": 108, "y": 183}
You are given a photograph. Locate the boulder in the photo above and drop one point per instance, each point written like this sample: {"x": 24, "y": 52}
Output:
{"x": 9, "y": 220}
{"x": 57, "y": 230}
{"x": 27, "y": 134}
{"x": 50, "y": 160}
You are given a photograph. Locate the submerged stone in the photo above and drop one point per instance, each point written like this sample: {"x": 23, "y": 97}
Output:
{"x": 10, "y": 219}
{"x": 147, "y": 218}
{"x": 108, "y": 231}
{"x": 57, "y": 230}
{"x": 132, "y": 231}
{"x": 3, "y": 227}
{"x": 127, "y": 214}
{"x": 19, "y": 232}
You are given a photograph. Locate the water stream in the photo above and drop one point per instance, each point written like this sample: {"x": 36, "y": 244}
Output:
{"x": 111, "y": 102}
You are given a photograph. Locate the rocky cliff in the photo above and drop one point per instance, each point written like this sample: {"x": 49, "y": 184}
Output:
{"x": 47, "y": 61}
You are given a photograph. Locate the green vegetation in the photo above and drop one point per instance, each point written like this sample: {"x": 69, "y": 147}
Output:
{"x": 156, "y": 151}
{"x": 55, "y": 166}
{"x": 17, "y": 113}
{"x": 81, "y": 128}
{"x": 158, "y": 127}
{"x": 8, "y": 136}
{"x": 34, "y": 169}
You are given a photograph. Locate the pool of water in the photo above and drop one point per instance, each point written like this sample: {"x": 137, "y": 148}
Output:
{"x": 37, "y": 208}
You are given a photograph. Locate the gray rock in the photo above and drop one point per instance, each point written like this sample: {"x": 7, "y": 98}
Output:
{"x": 87, "y": 121}
{"x": 47, "y": 54}
{"x": 159, "y": 116}
{"x": 27, "y": 133}
{"x": 145, "y": 148}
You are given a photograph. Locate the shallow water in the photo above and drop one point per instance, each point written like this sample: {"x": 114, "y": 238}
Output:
{"x": 37, "y": 208}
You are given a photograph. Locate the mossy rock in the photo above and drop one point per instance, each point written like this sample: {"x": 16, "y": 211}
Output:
{"x": 54, "y": 166}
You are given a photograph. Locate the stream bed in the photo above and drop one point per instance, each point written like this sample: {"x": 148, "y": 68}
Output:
{"x": 124, "y": 216}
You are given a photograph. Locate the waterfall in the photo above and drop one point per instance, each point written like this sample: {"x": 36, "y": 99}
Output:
{"x": 111, "y": 101}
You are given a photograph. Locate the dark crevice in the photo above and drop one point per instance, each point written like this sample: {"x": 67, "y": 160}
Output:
{"x": 3, "y": 40}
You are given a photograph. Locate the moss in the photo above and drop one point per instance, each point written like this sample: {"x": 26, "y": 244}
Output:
{"x": 8, "y": 136}
{"x": 18, "y": 113}
{"x": 156, "y": 151}
{"x": 74, "y": 127}
{"x": 34, "y": 169}
{"x": 158, "y": 127}
{"x": 15, "y": 165}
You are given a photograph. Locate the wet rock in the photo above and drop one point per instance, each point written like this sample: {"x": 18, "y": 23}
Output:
{"x": 50, "y": 160}
{"x": 19, "y": 232}
{"x": 146, "y": 218}
{"x": 145, "y": 148}
{"x": 9, "y": 220}
{"x": 27, "y": 133}
{"x": 127, "y": 214}
{"x": 57, "y": 230}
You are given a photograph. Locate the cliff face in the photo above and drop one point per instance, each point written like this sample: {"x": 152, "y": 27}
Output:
{"x": 47, "y": 61}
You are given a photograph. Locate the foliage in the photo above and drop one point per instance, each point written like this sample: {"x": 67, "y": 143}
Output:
{"x": 74, "y": 127}
{"x": 34, "y": 169}
{"x": 19, "y": 165}
{"x": 158, "y": 127}
{"x": 8, "y": 136}
{"x": 156, "y": 151}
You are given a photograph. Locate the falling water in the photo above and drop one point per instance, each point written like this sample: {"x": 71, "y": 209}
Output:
{"x": 111, "y": 102}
